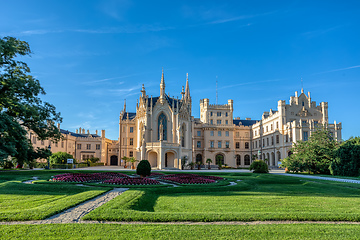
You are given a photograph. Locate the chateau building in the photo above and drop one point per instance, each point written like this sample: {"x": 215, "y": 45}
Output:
{"x": 163, "y": 131}
{"x": 82, "y": 145}
{"x": 160, "y": 130}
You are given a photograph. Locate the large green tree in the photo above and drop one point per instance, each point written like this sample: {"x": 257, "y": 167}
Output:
{"x": 314, "y": 155}
{"x": 347, "y": 158}
{"x": 21, "y": 108}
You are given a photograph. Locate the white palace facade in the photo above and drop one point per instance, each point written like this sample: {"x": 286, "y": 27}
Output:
{"x": 163, "y": 131}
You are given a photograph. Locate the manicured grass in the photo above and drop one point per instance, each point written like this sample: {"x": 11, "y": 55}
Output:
{"x": 328, "y": 176}
{"x": 114, "y": 231}
{"x": 256, "y": 197}
{"x": 19, "y": 201}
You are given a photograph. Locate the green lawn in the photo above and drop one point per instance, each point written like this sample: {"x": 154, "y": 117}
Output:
{"x": 256, "y": 197}
{"x": 19, "y": 201}
{"x": 114, "y": 231}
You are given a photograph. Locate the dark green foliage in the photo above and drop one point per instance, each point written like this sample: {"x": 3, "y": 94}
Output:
{"x": 143, "y": 168}
{"x": 314, "y": 155}
{"x": 7, "y": 164}
{"x": 347, "y": 161}
{"x": 20, "y": 105}
{"x": 259, "y": 166}
{"x": 60, "y": 158}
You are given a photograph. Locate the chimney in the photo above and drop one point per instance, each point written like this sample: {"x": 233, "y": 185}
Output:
{"x": 88, "y": 131}
{"x": 77, "y": 131}
{"x": 83, "y": 131}
{"x": 58, "y": 125}
{"x": 96, "y": 132}
{"x": 103, "y": 133}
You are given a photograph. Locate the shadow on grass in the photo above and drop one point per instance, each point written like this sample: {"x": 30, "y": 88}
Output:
{"x": 255, "y": 185}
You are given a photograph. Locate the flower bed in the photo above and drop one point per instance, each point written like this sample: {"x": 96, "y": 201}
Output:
{"x": 156, "y": 174}
{"x": 132, "y": 181}
{"x": 123, "y": 179}
{"x": 87, "y": 177}
{"x": 190, "y": 178}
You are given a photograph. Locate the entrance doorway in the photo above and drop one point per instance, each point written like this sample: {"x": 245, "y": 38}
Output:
{"x": 113, "y": 160}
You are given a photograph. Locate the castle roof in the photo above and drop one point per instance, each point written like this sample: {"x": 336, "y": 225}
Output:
{"x": 244, "y": 122}
{"x": 171, "y": 101}
{"x": 78, "y": 134}
{"x": 131, "y": 115}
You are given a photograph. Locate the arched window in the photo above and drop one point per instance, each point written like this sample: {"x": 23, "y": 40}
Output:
{"x": 246, "y": 145}
{"x": 183, "y": 132}
{"x": 238, "y": 160}
{"x": 162, "y": 126}
{"x": 247, "y": 160}
{"x": 199, "y": 158}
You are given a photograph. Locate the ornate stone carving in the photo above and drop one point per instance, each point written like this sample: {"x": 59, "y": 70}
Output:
{"x": 303, "y": 113}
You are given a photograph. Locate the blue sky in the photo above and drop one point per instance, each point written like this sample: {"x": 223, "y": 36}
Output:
{"x": 91, "y": 55}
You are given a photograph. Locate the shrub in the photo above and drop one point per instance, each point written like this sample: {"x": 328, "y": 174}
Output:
{"x": 143, "y": 168}
{"x": 259, "y": 166}
{"x": 60, "y": 158}
{"x": 7, "y": 165}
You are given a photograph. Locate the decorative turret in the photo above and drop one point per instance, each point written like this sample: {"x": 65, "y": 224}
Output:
{"x": 143, "y": 92}
{"x": 182, "y": 93}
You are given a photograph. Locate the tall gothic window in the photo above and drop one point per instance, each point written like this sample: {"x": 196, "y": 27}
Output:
{"x": 162, "y": 125}
{"x": 183, "y": 132}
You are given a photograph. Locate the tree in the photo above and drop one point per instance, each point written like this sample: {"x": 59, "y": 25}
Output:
{"x": 183, "y": 162}
{"x": 347, "y": 158}
{"x": 133, "y": 161}
{"x": 208, "y": 161}
{"x": 21, "y": 108}
{"x": 219, "y": 161}
{"x": 314, "y": 155}
{"x": 143, "y": 168}
{"x": 60, "y": 158}
{"x": 125, "y": 158}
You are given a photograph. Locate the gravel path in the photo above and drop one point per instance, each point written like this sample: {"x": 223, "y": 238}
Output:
{"x": 31, "y": 181}
{"x": 73, "y": 215}
{"x": 188, "y": 223}
{"x": 320, "y": 178}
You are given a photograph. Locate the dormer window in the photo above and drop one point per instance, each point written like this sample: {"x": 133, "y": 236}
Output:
{"x": 303, "y": 104}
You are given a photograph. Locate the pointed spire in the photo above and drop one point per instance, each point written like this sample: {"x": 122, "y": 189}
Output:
{"x": 124, "y": 110}
{"x": 162, "y": 87}
{"x": 182, "y": 93}
{"x": 162, "y": 77}
{"x": 187, "y": 89}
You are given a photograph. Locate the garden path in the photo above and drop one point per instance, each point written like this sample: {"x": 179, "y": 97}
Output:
{"x": 74, "y": 214}
{"x": 320, "y": 178}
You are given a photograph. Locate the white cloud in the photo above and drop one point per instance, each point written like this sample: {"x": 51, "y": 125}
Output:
{"x": 339, "y": 69}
